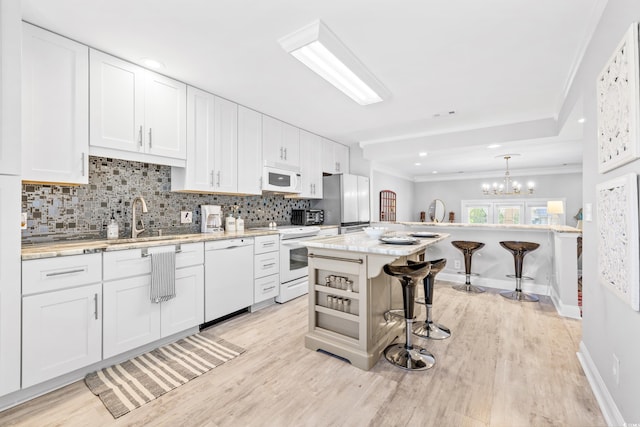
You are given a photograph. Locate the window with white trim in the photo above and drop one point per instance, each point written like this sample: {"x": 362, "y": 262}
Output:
{"x": 509, "y": 211}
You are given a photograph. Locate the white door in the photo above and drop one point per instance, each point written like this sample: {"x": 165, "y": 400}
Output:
{"x": 249, "y": 151}
{"x": 130, "y": 319}
{"x": 197, "y": 175}
{"x": 116, "y": 103}
{"x": 291, "y": 145}
{"x": 55, "y": 108}
{"x": 9, "y": 284}
{"x": 341, "y": 158}
{"x": 61, "y": 332}
{"x": 272, "y": 149}
{"x": 363, "y": 199}
{"x": 165, "y": 116}
{"x": 186, "y": 310}
{"x": 310, "y": 167}
{"x": 226, "y": 146}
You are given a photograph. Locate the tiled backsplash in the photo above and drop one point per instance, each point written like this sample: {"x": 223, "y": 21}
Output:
{"x": 58, "y": 212}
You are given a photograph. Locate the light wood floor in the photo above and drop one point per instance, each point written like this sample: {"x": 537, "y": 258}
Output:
{"x": 507, "y": 364}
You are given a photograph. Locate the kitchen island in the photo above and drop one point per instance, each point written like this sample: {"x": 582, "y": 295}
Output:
{"x": 553, "y": 267}
{"x": 349, "y": 294}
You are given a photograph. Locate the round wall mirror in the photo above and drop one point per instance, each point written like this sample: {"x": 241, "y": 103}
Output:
{"x": 436, "y": 210}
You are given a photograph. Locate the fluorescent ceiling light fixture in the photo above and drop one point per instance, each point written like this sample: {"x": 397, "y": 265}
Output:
{"x": 317, "y": 47}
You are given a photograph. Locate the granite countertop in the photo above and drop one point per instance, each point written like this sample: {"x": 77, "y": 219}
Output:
{"x": 360, "y": 242}
{"x": 78, "y": 247}
{"x": 555, "y": 228}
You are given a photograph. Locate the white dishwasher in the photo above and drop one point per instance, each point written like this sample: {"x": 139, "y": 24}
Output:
{"x": 228, "y": 277}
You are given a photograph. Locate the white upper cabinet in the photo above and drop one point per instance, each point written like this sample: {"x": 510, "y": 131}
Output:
{"x": 55, "y": 108}
{"x": 249, "y": 151}
{"x": 212, "y": 145}
{"x": 198, "y": 173}
{"x": 335, "y": 157}
{"x": 280, "y": 144}
{"x": 136, "y": 114}
{"x": 226, "y": 146}
{"x": 310, "y": 167}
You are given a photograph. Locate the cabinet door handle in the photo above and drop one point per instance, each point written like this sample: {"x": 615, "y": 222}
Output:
{"x": 95, "y": 306}
{"x": 218, "y": 178}
{"x": 149, "y": 137}
{"x": 83, "y": 167}
{"x": 60, "y": 273}
{"x": 285, "y": 154}
{"x": 337, "y": 167}
{"x": 140, "y": 136}
{"x": 212, "y": 184}
{"x": 281, "y": 157}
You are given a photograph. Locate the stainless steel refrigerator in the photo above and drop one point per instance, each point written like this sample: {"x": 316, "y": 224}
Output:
{"x": 345, "y": 202}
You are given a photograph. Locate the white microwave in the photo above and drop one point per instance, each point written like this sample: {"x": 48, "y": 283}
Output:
{"x": 280, "y": 180}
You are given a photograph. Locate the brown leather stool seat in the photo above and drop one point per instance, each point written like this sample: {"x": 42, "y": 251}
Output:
{"x": 468, "y": 248}
{"x": 406, "y": 355}
{"x": 519, "y": 250}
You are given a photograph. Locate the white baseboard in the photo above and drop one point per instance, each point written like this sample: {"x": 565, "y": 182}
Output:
{"x": 488, "y": 282}
{"x": 610, "y": 411}
{"x": 566, "y": 310}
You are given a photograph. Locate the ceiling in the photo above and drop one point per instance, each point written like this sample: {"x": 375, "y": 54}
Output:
{"x": 503, "y": 66}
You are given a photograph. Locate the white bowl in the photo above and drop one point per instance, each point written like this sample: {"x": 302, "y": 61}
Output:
{"x": 375, "y": 232}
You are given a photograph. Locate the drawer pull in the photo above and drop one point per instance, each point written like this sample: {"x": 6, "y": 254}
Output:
{"x": 269, "y": 288}
{"x": 336, "y": 258}
{"x": 271, "y": 264}
{"x": 269, "y": 244}
{"x": 60, "y": 273}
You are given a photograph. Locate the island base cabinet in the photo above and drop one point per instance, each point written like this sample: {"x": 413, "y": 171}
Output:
{"x": 186, "y": 310}
{"x": 356, "y": 331}
{"x": 62, "y": 332}
{"x": 130, "y": 318}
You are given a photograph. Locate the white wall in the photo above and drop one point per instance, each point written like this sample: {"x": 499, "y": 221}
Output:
{"x": 609, "y": 324}
{"x": 404, "y": 195}
{"x": 567, "y": 186}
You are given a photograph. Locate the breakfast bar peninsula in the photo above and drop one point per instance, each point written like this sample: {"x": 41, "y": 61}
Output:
{"x": 349, "y": 293}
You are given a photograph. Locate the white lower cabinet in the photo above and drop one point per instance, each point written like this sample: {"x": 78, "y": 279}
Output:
{"x": 266, "y": 268}
{"x": 130, "y": 318}
{"x": 186, "y": 310}
{"x": 266, "y": 287}
{"x": 61, "y": 316}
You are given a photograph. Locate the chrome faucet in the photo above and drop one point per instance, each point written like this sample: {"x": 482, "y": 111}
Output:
{"x": 134, "y": 224}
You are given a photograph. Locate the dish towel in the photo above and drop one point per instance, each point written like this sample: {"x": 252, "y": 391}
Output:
{"x": 163, "y": 276}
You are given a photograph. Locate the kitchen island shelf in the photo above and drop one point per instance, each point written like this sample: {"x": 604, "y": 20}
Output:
{"x": 337, "y": 292}
{"x": 337, "y": 313}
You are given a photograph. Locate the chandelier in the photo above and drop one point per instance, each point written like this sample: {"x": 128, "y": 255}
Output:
{"x": 508, "y": 186}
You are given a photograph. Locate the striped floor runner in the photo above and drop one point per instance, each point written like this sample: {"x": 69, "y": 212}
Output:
{"x": 131, "y": 384}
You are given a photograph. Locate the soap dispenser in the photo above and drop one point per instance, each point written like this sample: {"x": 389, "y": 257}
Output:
{"x": 240, "y": 224}
{"x": 230, "y": 224}
{"x": 112, "y": 228}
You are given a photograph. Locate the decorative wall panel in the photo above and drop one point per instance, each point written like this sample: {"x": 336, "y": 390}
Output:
{"x": 618, "y": 256}
{"x": 619, "y": 105}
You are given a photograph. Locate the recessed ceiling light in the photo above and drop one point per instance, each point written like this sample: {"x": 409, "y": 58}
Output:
{"x": 581, "y": 120}
{"x": 152, "y": 63}
{"x": 422, "y": 154}
{"x": 492, "y": 146}
{"x": 434, "y": 172}
{"x": 417, "y": 163}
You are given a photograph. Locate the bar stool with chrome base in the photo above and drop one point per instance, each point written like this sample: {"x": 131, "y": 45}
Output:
{"x": 468, "y": 248}
{"x": 406, "y": 355}
{"x": 519, "y": 250}
{"x": 428, "y": 328}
